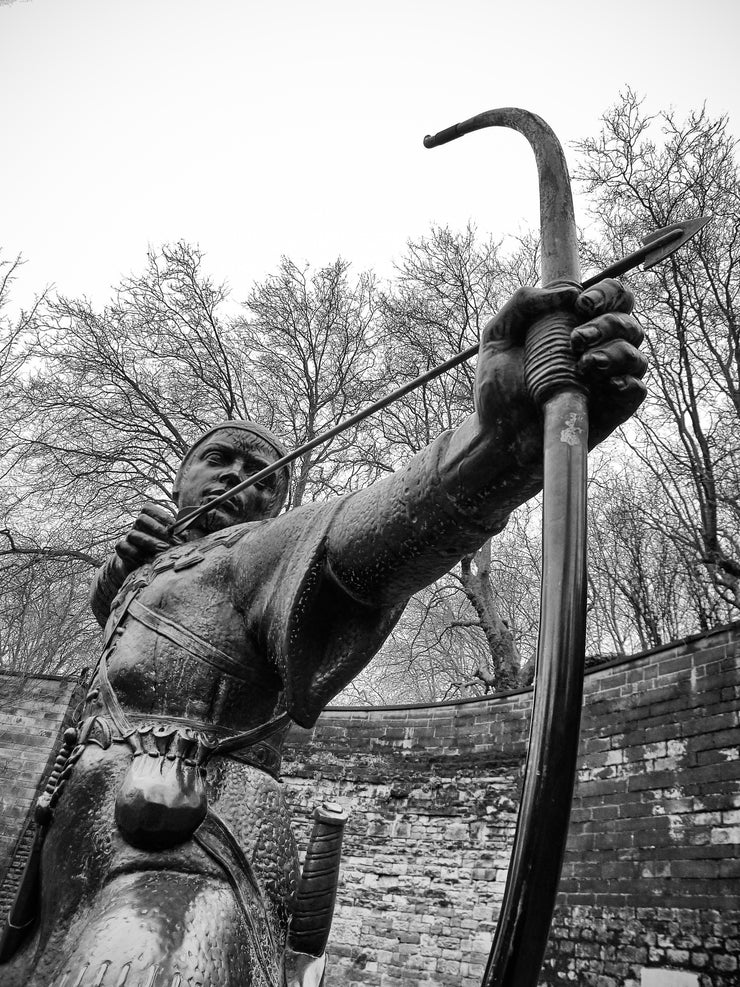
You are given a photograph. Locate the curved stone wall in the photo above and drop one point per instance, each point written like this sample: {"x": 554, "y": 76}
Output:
{"x": 651, "y": 881}
{"x": 650, "y": 884}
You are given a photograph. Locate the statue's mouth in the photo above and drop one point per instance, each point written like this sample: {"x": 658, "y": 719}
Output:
{"x": 229, "y": 506}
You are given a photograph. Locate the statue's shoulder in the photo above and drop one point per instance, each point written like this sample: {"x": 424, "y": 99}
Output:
{"x": 289, "y": 528}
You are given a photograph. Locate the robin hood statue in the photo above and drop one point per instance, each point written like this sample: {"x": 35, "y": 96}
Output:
{"x": 169, "y": 860}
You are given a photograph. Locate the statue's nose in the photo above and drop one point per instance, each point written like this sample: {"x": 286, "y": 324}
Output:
{"x": 230, "y": 477}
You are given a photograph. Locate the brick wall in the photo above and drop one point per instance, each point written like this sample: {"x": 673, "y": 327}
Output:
{"x": 650, "y": 890}
{"x": 650, "y": 883}
{"x": 32, "y": 714}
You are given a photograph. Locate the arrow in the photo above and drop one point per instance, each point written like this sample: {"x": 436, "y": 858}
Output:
{"x": 656, "y": 247}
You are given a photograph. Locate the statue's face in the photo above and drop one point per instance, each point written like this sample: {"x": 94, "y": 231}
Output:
{"x": 222, "y": 461}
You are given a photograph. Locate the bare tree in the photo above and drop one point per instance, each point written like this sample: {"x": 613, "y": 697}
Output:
{"x": 501, "y": 671}
{"x": 44, "y": 628}
{"x": 99, "y": 406}
{"x": 461, "y": 637}
{"x": 40, "y": 603}
{"x": 645, "y": 172}
{"x": 431, "y": 654}
{"x": 103, "y": 409}
{"x": 111, "y": 399}
{"x": 644, "y": 589}
{"x": 313, "y": 361}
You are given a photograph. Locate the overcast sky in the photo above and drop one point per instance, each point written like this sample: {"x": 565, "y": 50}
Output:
{"x": 261, "y": 127}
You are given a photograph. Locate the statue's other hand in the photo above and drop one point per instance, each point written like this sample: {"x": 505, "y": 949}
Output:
{"x": 147, "y": 538}
{"x": 605, "y": 346}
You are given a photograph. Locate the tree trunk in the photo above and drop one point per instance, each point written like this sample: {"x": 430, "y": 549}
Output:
{"x": 475, "y": 576}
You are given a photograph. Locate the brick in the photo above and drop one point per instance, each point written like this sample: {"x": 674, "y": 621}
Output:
{"x": 727, "y": 964}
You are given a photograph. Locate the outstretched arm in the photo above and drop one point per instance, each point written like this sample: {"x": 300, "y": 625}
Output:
{"x": 408, "y": 529}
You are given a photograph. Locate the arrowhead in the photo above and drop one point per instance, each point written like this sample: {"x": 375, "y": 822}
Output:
{"x": 671, "y": 238}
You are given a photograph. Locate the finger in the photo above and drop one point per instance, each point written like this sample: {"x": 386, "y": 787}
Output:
{"x": 126, "y": 551}
{"x": 157, "y": 526}
{"x": 524, "y": 307}
{"x": 139, "y": 547}
{"x": 132, "y": 556}
{"x": 616, "y": 358}
{"x": 151, "y": 527}
{"x": 157, "y": 511}
{"x": 620, "y": 397}
{"x": 604, "y": 328}
{"x": 606, "y": 296}
{"x": 146, "y": 542}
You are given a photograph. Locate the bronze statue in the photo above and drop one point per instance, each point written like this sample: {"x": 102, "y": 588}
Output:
{"x": 170, "y": 859}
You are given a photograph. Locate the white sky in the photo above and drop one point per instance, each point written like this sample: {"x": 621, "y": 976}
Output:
{"x": 262, "y": 127}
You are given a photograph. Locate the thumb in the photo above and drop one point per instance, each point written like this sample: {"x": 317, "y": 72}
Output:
{"x": 526, "y": 306}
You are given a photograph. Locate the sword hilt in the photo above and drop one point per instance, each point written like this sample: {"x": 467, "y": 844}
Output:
{"x": 317, "y": 890}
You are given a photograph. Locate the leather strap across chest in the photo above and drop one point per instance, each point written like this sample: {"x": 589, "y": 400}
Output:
{"x": 188, "y": 642}
{"x": 264, "y": 754}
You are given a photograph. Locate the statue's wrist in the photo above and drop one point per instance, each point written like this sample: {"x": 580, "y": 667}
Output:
{"x": 490, "y": 467}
